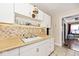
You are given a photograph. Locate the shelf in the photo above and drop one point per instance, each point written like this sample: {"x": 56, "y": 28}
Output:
{"x": 26, "y": 17}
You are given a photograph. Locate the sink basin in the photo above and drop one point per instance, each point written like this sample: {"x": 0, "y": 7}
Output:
{"x": 30, "y": 39}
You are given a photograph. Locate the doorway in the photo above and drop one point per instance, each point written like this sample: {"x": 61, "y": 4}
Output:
{"x": 70, "y": 32}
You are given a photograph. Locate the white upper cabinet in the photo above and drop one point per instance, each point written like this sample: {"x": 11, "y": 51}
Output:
{"x": 46, "y": 22}
{"x": 24, "y": 9}
{"x": 6, "y": 13}
{"x": 40, "y": 15}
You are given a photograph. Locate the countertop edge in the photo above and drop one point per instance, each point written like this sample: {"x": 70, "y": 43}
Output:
{"x": 24, "y": 44}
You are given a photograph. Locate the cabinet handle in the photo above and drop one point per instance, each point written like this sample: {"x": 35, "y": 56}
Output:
{"x": 37, "y": 50}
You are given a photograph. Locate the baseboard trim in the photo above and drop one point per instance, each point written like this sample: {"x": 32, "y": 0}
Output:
{"x": 57, "y": 44}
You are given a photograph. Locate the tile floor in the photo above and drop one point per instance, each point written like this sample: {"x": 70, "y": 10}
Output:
{"x": 62, "y": 51}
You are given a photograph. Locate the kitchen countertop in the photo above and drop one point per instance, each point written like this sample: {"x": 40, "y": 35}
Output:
{"x": 11, "y": 36}
{"x": 9, "y": 44}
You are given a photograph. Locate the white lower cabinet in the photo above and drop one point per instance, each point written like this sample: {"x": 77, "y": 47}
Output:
{"x": 14, "y": 52}
{"x": 43, "y": 48}
{"x": 38, "y": 49}
{"x": 29, "y": 50}
{"x": 46, "y": 48}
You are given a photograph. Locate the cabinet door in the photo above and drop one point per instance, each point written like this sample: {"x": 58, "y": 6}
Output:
{"x": 23, "y": 8}
{"x": 44, "y": 48}
{"x": 47, "y": 47}
{"x": 29, "y": 50}
{"x": 46, "y": 21}
{"x": 14, "y": 52}
{"x": 42, "y": 23}
{"x": 40, "y": 15}
{"x": 38, "y": 49}
{"x": 6, "y": 13}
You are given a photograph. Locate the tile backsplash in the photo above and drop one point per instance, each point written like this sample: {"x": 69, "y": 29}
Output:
{"x": 11, "y": 31}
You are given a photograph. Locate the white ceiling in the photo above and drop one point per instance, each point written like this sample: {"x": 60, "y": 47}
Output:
{"x": 56, "y": 8}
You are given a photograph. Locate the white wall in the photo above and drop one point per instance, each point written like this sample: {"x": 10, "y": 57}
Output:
{"x": 57, "y": 25}
{"x": 7, "y": 12}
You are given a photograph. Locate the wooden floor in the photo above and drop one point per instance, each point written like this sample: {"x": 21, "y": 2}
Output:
{"x": 75, "y": 45}
{"x": 72, "y": 44}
